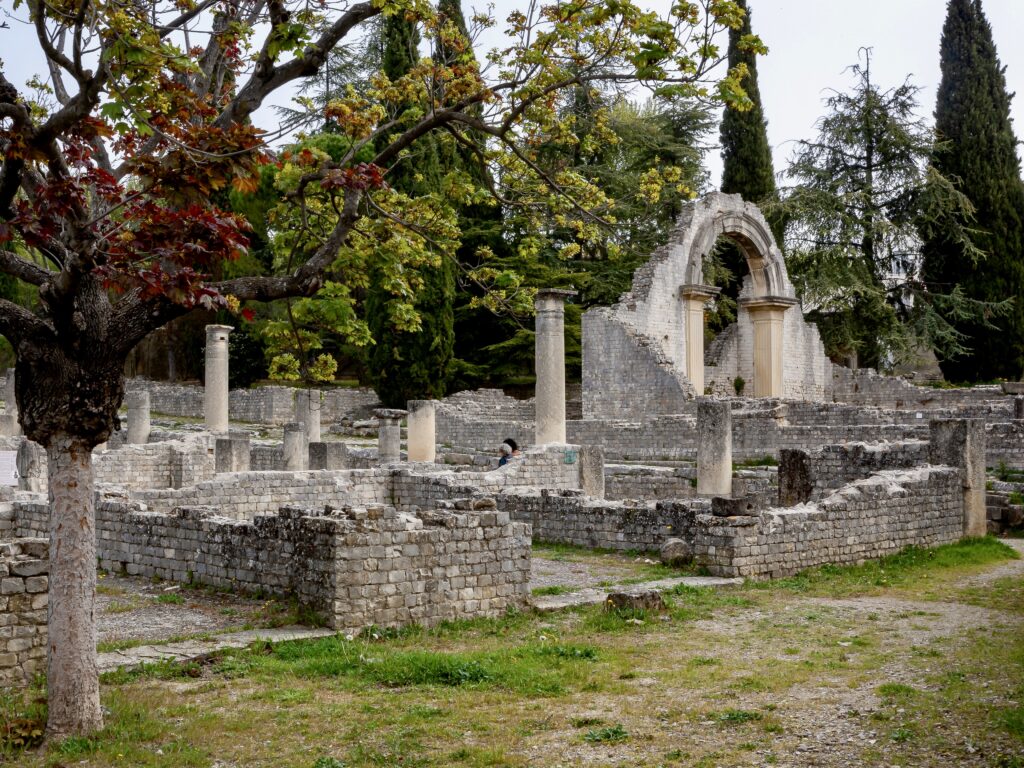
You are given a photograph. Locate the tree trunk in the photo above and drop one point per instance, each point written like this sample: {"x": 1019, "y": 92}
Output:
{"x": 71, "y": 678}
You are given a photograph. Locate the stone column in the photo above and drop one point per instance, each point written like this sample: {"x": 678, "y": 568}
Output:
{"x": 389, "y": 436}
{"x": 9, "y": 422}
{"x": 714, "y": 447}
{"x": 766, "y": 313}
{"x": 694, "y": 298}
{"x": 295, "y": 447}
{"x": 550, "y": 365}
{"x": 138, "y": 417}
{"x": 307, "y": 410}
{"x": 215, "y": 396}
{"x": 961, "y": 443}
{"x": 1018, "y": 407}
{"x": 422, "y": 440}
{"x": 592, "y": 471}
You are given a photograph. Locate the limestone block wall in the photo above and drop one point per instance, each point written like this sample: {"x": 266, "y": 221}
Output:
{"x": 866, "y": 386}
{"x": 568, "y": 518}
{"x": 263, "y": 405}
{"x": 24, "y": 581}
{"x": 171, "y": 464}
{"x": 358, "y": 567}
{"x": 812, "y": 475}
{"x": 626, "y": 372}
{"x": 866, "y": 519}
{"x": 626, "y": 481}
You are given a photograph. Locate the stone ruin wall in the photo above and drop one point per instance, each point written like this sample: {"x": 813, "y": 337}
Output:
{"x": 357, "y": 567}
{"x": 864, "y": 520}
{"x": 260, "y": 405}
{"x": 24, "y": 581}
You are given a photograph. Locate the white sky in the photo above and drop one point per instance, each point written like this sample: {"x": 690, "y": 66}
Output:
{"x": 811, "y": 42}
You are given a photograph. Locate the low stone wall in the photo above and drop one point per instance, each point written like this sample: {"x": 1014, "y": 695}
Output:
{"x": 24, "y": 581}
{"x": 262, "y": 405}
{"x": 867, "y": 519}
{"x": 626, "y": 481}
{"x": 171, "y": 464}
{"x": 811, "y": 475}
{"x": 867, "y": 387}
{"x": 568, "y": 518}
{"x": 358, "y": 567}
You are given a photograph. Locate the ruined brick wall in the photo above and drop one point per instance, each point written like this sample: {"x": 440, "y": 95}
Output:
{"x": 812, "y": 475}
{"x": 171, "y": 464}
{"x": 625, "y": 481}
{"x": 358, "y": 567}
{"x": 262, "y": 405}
{"x": 626, "y": 373}
{"x": 24, "y": 581}
{"x": 568, "y": 518}
{"x": 867, "y": 519}
{"x": 867, "y": 387}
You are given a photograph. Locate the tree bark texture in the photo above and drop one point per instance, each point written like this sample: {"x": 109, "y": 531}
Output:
{"x": 71, "y": 677}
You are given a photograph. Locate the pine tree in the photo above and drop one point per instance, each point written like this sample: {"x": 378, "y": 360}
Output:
{"x": 978, "y": 149}
{"x": 747, "y": 165}
{"x": 412, "y": 365}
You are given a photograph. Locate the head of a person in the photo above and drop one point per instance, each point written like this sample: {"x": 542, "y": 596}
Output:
{"x": 510, "y": 445}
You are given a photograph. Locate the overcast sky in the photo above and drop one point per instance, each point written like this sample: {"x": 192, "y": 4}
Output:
{"x": 811, "y": 42}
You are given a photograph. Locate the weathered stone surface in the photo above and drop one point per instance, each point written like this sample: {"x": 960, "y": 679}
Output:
{"x": 714, "y": 447}
{"x": 550, "y": 365}
{"x": 648, "y": 600}
{"x": 676, "y": 552}
{"x": 215, "y": 392}
{"x": 23, "y": 610}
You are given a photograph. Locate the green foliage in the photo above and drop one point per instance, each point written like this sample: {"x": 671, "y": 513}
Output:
{"x": 247, "y": 361}
{"x": 863, "y": 194}
{"x": 979, "y": 152}
{"x": 738, "y": 385}
{"x": 611, "y": 734}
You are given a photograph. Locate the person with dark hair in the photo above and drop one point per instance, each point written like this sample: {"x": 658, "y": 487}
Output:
{"x": 509, "y": 450}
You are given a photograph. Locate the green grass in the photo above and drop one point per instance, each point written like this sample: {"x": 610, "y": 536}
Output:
{"x": 554, "y": 589}
{"x": 763, "y": 461}
{"x": 170, "y": 598}
{"x": 609, "y": 735}
{"x": 898, "y": 570}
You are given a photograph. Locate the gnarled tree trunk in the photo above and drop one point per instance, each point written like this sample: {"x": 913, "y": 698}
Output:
{"x": 71, "y": 676}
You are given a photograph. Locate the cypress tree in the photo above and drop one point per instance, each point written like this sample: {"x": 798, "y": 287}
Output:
{"x": 412, "y": 365}
{"x": 978, "y": 148}
{"x": 746, "y": 157}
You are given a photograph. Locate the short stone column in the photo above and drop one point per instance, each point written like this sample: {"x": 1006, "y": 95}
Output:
{"x": 695, "y": 298}
{"x": 389, "y": 435}
{"x": 232, "y": 453}
{"x": 767, "y": 314}
{"x": 550, "y": 365}
{"x": 32, "y": 467}
{"x": 295, "y": 446}
{"x": 961, "y": 443}
{"x": 215, "y": 395}
{"x": 422, "y": 439}
{"x": 307, "y": 410}
{"x": 138, "y": 417}
{"x": 714, "y": 447}
{"x": 1018, "y": 408}
{"x": 592, "y": 471}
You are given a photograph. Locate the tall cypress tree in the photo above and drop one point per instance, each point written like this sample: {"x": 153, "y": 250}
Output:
{"x": 746, "y": 157}
{"x": 978, "y": 148}
{"x": 412, "y": 365}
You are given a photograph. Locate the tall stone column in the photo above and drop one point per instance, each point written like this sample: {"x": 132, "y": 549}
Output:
{"x": 295, "y": 447}
{"x": 694, "y": 299}
{"x": 138, "y": 417}
{"x": 215, "y": 396}
{"x": 389, "y": 435}
{"x": 766, "y": 313}
{"x": 961, "y": 443}
{"x": 307, "y": 410}
{"x": 550, "y": 365}
{"x": 422, "y": 440}
{"x": 714, "y": 447}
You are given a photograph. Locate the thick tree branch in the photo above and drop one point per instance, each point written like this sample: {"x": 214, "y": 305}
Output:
{"x": 264, "y": 81}
{"x": 14, "y": 265}
{"x": 18, "y": 324}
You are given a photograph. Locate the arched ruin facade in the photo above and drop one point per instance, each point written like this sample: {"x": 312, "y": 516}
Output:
{"x": 645, "y": 355}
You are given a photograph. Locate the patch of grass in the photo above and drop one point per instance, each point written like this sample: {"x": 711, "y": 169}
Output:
{"x": 116, "y": 607}
{"x": 554, "y": 589}
{"x": 763, "y": 461}
{"x": 895, "y": 691}
{"x": 1016, "y": 498}
{"x": 897, "y": 570}
{"x": 737, "y": 716}
{"x": 611, "y": 734}
{"x": 170, "y": 598}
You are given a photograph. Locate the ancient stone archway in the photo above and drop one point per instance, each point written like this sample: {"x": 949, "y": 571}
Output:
{"x": 649, "y": 347}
